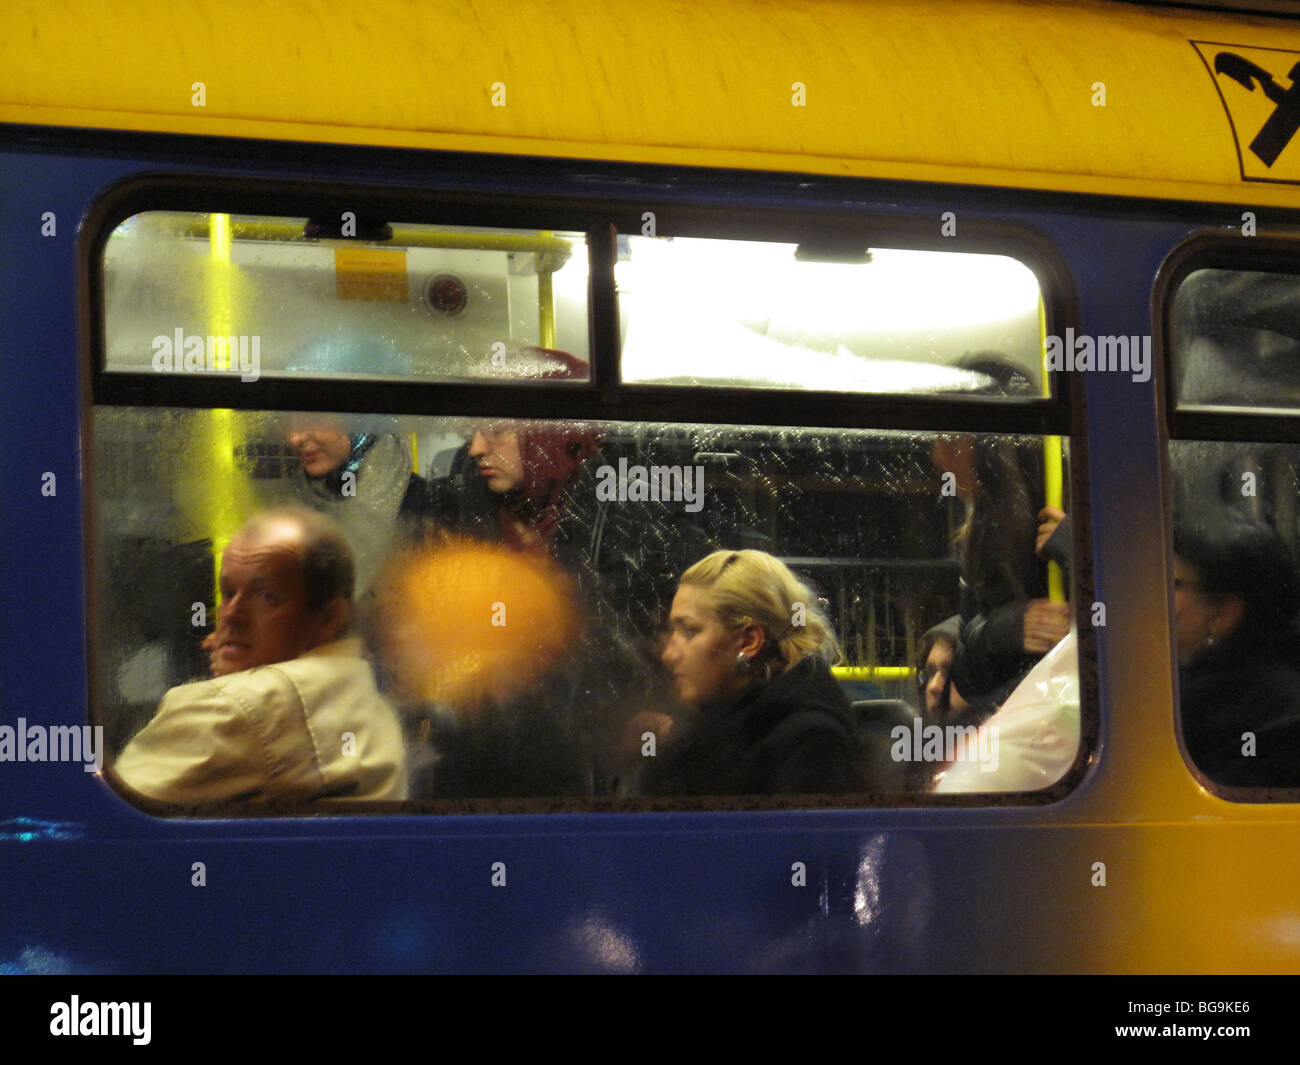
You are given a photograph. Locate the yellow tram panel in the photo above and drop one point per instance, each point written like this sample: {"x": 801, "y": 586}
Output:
{"x": 1083, "y": 97}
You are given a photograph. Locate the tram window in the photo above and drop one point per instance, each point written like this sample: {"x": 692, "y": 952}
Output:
{"x": 757, "y": 314}
{"x": 520, "y": 632}
{"x": 1236, "y": 349}
{"x": 275, "y": 297}
{"x": 1236, "y": 341}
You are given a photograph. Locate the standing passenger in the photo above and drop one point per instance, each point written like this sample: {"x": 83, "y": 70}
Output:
{"x": 533, "y": 486}
{"x": 362, "y": 480}
{"x": 1008, "y": 622}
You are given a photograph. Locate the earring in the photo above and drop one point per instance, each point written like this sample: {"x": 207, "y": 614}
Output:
{"x": 743, "y": 664}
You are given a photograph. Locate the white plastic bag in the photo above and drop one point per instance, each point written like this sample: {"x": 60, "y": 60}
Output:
{"x": 1034, "y": 736}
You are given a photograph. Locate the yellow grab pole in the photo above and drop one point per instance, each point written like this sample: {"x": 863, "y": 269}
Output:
{"x": 545, "y": 295}
{"x": 1053, "y": 473}
{"x": 212, "y": 490}
{"x": 872, "y": 672}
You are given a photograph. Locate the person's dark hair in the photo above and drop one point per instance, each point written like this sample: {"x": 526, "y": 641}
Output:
{"x": 328, "y": 571}
{"x": 999, "y": 558}
{"x": 948, "y": 631}
{"x": 1245, "y": 558}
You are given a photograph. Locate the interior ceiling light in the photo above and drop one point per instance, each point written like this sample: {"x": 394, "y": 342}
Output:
{"x": 832, "y": 252}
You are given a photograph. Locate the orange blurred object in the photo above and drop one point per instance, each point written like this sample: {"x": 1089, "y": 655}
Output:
{"x": 464, "y": 622}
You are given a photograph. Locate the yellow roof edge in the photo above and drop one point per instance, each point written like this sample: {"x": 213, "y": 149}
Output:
{"x": 1080, "y": 96}
{"x": 1245, "y": 194}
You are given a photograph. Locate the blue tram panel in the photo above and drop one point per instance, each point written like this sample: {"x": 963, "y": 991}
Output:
{"x": 886, "y": 888}
{"x": 565, "y": 924}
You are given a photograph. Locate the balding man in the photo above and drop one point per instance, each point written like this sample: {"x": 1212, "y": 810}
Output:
{"x": 291, "y": 713}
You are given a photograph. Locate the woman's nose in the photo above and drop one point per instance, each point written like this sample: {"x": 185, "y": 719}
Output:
{"x": 477, "y": 445}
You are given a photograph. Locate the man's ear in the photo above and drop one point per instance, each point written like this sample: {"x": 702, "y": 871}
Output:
{"x": 336, "y": 615}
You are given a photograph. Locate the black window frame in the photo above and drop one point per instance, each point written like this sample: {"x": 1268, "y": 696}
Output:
{"x": 1273, "y": 252}
{"x": 603, "y": 398}
{"x": 1219, "y": 251}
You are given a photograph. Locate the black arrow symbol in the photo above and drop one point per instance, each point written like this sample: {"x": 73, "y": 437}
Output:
{"x": 1282, "y": 124}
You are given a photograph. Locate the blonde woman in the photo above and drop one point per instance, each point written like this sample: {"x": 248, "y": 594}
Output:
{"x": 750, "y": 653}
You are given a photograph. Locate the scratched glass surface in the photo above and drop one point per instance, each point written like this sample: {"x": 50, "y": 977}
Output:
{"x": 875, "y": 523}
{"x": 416, "y": 301}
{"x": 1236, "y": 511}
{"x": 1236, "y": 341}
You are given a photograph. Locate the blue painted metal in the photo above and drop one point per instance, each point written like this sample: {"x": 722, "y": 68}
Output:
{"x": 100, "y": 886}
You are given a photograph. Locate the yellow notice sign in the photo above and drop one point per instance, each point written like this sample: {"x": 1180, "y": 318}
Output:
{"x": 1260, "y": 90}
{"x": 370, "y": 274}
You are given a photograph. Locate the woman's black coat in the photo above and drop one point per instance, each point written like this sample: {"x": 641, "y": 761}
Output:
{"x": 792, "y": 735}
{"x": 1245, "y": 685}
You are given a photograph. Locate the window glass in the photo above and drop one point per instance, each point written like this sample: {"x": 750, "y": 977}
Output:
{"x": 276, "y": 297}
{"x": 521, "y": 632}
{"x": 757, "y": 314}
{"x": 1236, "y": 340}
{"x": 1236, "y": 598}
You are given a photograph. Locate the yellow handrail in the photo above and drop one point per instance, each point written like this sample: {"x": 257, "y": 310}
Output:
{"x": 1053, "y": 472}
{"x": 882, "y": 673}
{"x": 214, "y": 491}
{"x": 552, "y": 251}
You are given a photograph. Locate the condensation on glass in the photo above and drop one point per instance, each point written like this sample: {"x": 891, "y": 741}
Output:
{"x": 1236, "y": 510}
{"x": 259, "y": 296}
{"x": 874, "y": 522}
{"x": 1236, "y": 516}
{"x": 1236, "y": 341}
{"x": 766, "y": 315}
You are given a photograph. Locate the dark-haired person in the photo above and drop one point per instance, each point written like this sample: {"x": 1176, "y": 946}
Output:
{"x": 529, "y": 469}
{"x": 944, "y": 704}
{"x": 1236, "y": 595}
{"x": 533, "y": 485}
{"x": 750, "y": 655}
{"x": 1008, "y": 621}
{"x": 291, "y": 713}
